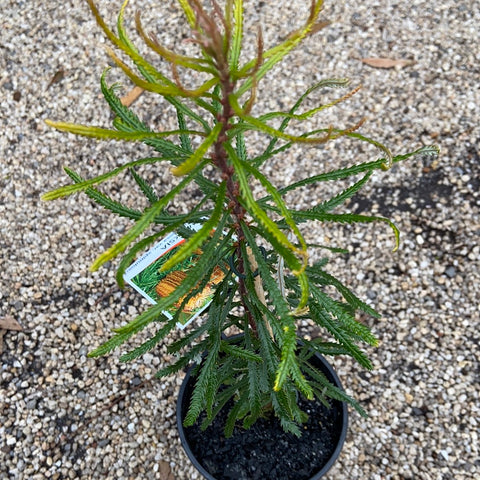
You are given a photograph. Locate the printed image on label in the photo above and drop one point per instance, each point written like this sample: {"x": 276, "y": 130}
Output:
{"x": 146, "y": 277}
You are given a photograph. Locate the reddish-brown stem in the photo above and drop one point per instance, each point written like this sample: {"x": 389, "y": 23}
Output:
{"x": 212, "y": 41}
{"x": 220, "y": 160}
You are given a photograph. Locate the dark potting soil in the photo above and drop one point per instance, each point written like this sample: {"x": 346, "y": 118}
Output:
{"x": 265, "y": 451}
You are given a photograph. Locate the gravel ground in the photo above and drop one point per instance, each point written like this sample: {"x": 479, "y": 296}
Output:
{"x": 66, "y": 416}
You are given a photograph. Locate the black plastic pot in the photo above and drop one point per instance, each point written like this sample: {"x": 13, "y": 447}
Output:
{"x": 337, "y": 431}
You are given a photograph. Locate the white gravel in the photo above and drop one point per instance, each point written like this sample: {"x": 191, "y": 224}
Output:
{"x": 65, "y": 416}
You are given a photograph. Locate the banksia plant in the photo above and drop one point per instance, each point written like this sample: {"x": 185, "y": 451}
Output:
{"x": 268, "y": 281}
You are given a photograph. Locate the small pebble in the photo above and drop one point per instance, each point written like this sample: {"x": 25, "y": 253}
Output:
{"x": 450, "y": 272}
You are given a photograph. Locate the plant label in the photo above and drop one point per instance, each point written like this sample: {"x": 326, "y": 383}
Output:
{"x": 146, "y": 277}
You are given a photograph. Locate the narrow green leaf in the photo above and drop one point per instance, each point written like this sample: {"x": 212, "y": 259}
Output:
{"x": 286, "y": 360}
{"x": 326, "y": 83}
{"x": 429, "y": 150}
{"x": 152, "y": 314}
{"x": 260, "y": 214}
{"x": 131, "y": 254}
{"x": 183, "y": 342}
{"x": 240, "y": 352}
{"x": 105, "y": 201}
{"x": 106, "y": 134}
{"x": 170, "y": 90}
{"x": 145, "y": 187}
{"x": 166, "y": 148}
{"x": 350, "y": 218}
{"x": 278, "y": 201}
{"x": 140, "y": 226}
{"x": 235, "y": 414}
{"x": 331, "y": 176}
{"x": 236, "y": 48}
{"x": 182, "y": 125}
{"x": 78, "y": 187}
{"x": 276, "y": 54}
{"x": 241, "y": 149}
{"x": 308, "y": 113}
{"x": 283, "y": 410}
{"x": 288, "y": 364}
{"x": 127, "y": 47}
{"x": 180, "y": 106}
{"x": 183, "y": 361}
{"x": 323, "y": 348}
{"x": 189, "y": 13}
{"x": 123, "y": 113}
{"x": 291, "y": 223}
{"x": 216, "y": 101}
{"x": 300, "y": 381}
{"x": 321, "y": 316}
{"x": 223, "y": 397}
{"x": 254, "y": 393}
{"x": 147, "y": 70}
{"x": 197, "y": 239}
{"x": 260, "y": 159}
{"x": 389, "y": 160}
{"x": 343, "y": 196}
{"x": 207, "y": 374}
{"x": 150, "y": 343}
{"x": 199, "y": 153}
{"x": 279, "y": 302}
{"x": 326, "y": 388}
{"x": 256, "y": 124}
{"x": 357, "y": 330}
{"x": 122, "y": 35}
{"x": 200, "y": 65}
{"x": 317, "y": 275}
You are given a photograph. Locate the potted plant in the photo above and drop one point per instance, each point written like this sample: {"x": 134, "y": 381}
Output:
{"x": 247, "y": 250}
